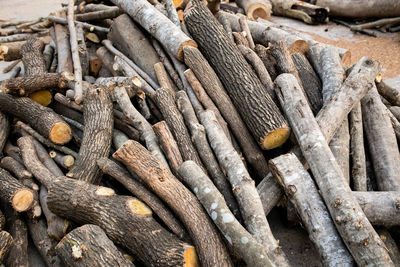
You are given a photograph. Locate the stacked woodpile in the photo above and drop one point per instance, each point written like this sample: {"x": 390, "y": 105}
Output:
{"x": 139, "y": 136}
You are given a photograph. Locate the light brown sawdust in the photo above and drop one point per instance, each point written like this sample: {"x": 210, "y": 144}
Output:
{"x": 384, "y": 49}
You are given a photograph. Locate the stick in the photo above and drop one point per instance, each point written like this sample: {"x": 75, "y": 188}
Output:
{"x": 85, "y": 25}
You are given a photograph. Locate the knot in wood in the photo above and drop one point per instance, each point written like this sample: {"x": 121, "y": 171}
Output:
{"x": 365, "y": 242}
{"x": 292, "y": 190}
{"x": 161, "y": 179}
{"x": 338, "y": 202}
{"x": 359, "y": 224}
{"x": 369, "y": 62}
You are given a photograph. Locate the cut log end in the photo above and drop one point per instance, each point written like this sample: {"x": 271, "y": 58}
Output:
{"x": 22, "y": 200}
{"x": 105, "y": 191}
{"x": 69, "y": 161}
{"x": 43, "y": 97}
{"x": 276, "y": 138}
{"x": 258, "y": 10}
{"x": 60, "y": 133}
{"x": 299, "y": 46}
{"x": 346, "y": 59}
{"x": 138, "y": 208}
{"x": 180, "y": 50}
{"x": 190, "y": 256}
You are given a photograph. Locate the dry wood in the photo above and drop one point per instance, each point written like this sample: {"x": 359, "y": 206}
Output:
{"x": 32, "y": 57}
{"x": 63, "y": 47}
{"x": 2, "y": 220}
{"x": 139, "y": 190}
{"x": 210, "y": 248}
{"x": 11, "y": 66}
{"x": 6, "y": 242}
{"x": 381, "y": 142}
{"x": 88, "y": 245}
{"x": 307, "y": 12}
{"x": 96, "y": 142}
{"x": 82, "y": 50}
{"x": 168, "y": 145}
{"x": 21, "y": 37}
{"x": 390, "y": 244}
{"x": 126, "y": 221}
{"x": 15, "y": 167}
{"x": 211, "y": 83}
{"x": 65, "y": 161}
{"x": 389, "y": 93}
{"x": 164, "y": 30}
{"x": 299, "y": 187}
{"x": 11, "y": 51}
{"x": 93, "y": 7}
{"x": 240, "y": 39}
{"x": 174, "y": 119}
{"x": 245, "y": 28}
{"x": 4, "y": 130}
{"x": 244, "y": 189}
{"x": 227, "y": 26}
{"x": 108, "y": 13}
{"x": 199, "y": 139}
{"x": 395, "y": 110}
{"x": 129, "y": 39}
{"x": 269, "y": 61}
{"x": 260, "y": 113}
{"x": 354, "y": 228}
{"x": 255, "y": 9}
{"x": 85, "y": 25}
{"x": 163, "y": 78}
{"x": 48, "y": 54}
{"x": 213, "y": 201}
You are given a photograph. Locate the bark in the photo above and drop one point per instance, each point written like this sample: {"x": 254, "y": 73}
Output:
{"x": 240, "y": 39}
{"x": 381, "y": 142}
{"x": 258, "y": 110}
{"x": 63, "y": 47}
{"x": 6, "y": 242}
{"x": 139, "y": 190}
{"x": 159, "y": 26}
{"x": 310, "y": 80}
{"x": 15, "y": 167}
{"x": 2, "y": 220}
{"x": 96, "y": 142}
{"x": 88, "y": 245}
{"x": 21, "y": 37}
{"x": 255, "y": 9}
{"x": 163, "y": 78}
{"x": 390, "y": 244}
{"x": 302, "y": 192}
{"x": 394, "y": 110}
{"x": 129, "y": 39}
{"x": 65, "y": 161}
{"x": 270, "y": 193}
{"x": 82, "y": 50}
{"x": 23, "y": 86}
{"x": 309, "y": 13}
{"x": 269, "y": 61}
{"x": 108, "y": 13}
{"x": 48, "y": 54}
{"x": 11, "y": 51}
{"x": 32, "y": 57}
{"x": 389, "y": 93}
{"x": 11, "y": 66}
{"x": 174, "y": 119}
{"x": 244, "y": 189}
{"x": 4, "y": 130}
{"x": 198, "y": 134}
{"x": 395, "y": 124}
{"x": 245, "y": 28}
{"x": 85, "y": 25}
{"x": 211, "y": 83}
{"x": 210, "y": 248}
{"x": 351, "y": 223}
{"x": 213, "y": 201}
{"x": 168, "y": 145}
{"x": 227, "y": 25}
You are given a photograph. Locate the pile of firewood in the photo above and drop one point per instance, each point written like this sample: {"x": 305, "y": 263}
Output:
{"x": 139, "y": 135}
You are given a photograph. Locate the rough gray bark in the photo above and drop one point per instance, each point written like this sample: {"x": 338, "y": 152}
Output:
{"x": 63, "y": 47}
{"x": 389, "y": 93}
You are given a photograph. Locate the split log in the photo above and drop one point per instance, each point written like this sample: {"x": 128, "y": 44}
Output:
{"x": 199, "y": 139}
{"x": 108, "y": 13}
{"x": 129, "y": 39}
{"x": 22, "y": 86}
{"x": 389, "y": 93}
{"x": 4, "y": 130}
{"x": 15, "y": 167}
{"x": 303, "y": 194}
{"x": 255, "y": 9}
{"x": 121, "y": 218}
{"x": 210, "y": 248}
{"x": 45, "y": 120}
{"x": 159, "y": 26}
{"x": 63, "y": 47}
{"x": 96, "y": 142}
{"x": 211, "y": 83}
{"x": 381, "y": 142}
{"x": 13, "y": 192}
{"x": 137, "y": 189}
{"x": 213, "y": 201}
{"x": 88, "y": 245}
{"x": 174, "y": 119}
{"x": 168, "y": 145}
{"x": 354, "y": 228}
{"x": 6, "y": 242}
{"x": 261, "y": 115}
{"x": 243, "y": 188}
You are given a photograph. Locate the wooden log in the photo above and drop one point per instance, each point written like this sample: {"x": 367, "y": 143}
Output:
{"x": 213, "y": 201}
{"x": 310, "y": 80}
{"x": 6, "y": 242}
{"x": 82, "y": 50}
{"x": 121, "y": 217}
{"x": 23, "y": 86}
{"x": 269, "y": 133}
{"x": 11, "y": 66}
{"x": 2, "y": 220}
{"x": 48, "y": 54}
{"x": 303, "y": 194}
{"x": 90, "y": 27}
{"x": 307, "y": 12}
{"x": 129, "y": 39}
{"x": 21, "y": 37}
{"x": 88, "y": 245}
{"x": 63, "y": 47}
{"x": 382, "y": 142}
{"x": 389, "y": 93}
{"x": 198, "y": 134}
{"x": 168, "y": 145}
{"x": 4, "y": 130}
{"x": 351, "y": 223}
{"x": 32, "y": 57}
{"x": 96, "y": 142}
{"x": 395, "y": 110}
{"x": 139, "y": 190}
{"x": 390, "y": 244}
{"x": 255, "y": 9}
{"x": 65, "y": 161}
{"x": 15, "y": 167}
{"x": 210, "y": 248}
{"x": 108, "y": 13}
{"x": 240, "y": 39}
{"x": 174, "y": 119}
{"x": 211, "y": 83}
{"x": 246, "y": 30}
{"x": 269, "y": 61}
{"x": 11, "y": 51}
{"x": 20, "y": 197}
{"x": 159, "y": 26}
{"x": 243, "y": 188}
{"x": 163, "y": 78}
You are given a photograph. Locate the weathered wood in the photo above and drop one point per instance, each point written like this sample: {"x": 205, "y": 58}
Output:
{"x": 108, "y": 13}
{"x": 88, "y": 245}
{"x": 390, "y": 244}
{"x": 163, "y": 78}
{"x": 4, "y": 130}
{"x": 210, "y": 248}
{"x": 159, "y": 26}
{"x": 243, "y": 188}
{"x": 269, "y": 61}
{"x": 96, "y": 142}
{"x": 382, "y": 142}
{"x": 14, "y": 166}
{"x": 32, "y": 57}
{"x": 211, "y": 83}
{"x": 2, "y": 220}
{"x": 65, "y": 161}
{"x": 6, "y": 242}
{"x": 129, "y": 39}
{"x": 306, "y": 12}
{"x": 11, "y": 66}
{"x": 240, "y": 39}
{"x": 389, "y": 93}
{"x": 63, "y": 47}
{"x": 213, "y": 201}
{"x": 255, "y": 9}
{"x": 82, "y": 50}
{"x": 303, "y": 194}
{"x": 85, "y": 25}
{"x": 354, "y": 228}
{"x": 260, "y": 113}
{"x": 245, "y": 29}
